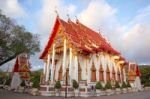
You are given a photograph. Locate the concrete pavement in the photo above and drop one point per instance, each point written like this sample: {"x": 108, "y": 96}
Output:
{"x": 5, "y": 94}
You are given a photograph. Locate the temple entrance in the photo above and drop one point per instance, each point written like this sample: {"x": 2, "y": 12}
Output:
{"x": 101, "y": 74}
{"x": 108, "y": 74}
{"x": 93, "y": 73}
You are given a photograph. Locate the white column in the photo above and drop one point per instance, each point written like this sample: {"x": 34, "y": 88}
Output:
{"x": 124, "y": 74}
{"x": 53, "y": 63}
{"x": 70, "y": 64}
{"x": 48, "y": 68}
{"x": 64, "y": 58}
{"x": 44, "y": 68}
{"x": 88, "y": 70}
{"x": 76, "y": 68}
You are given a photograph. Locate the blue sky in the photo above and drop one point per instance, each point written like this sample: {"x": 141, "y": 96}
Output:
{"x": 125, "y": 23}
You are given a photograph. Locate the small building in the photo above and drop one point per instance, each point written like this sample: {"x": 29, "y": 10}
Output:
{"x": 76, "y": 52}
{"x": 134, "y": 76}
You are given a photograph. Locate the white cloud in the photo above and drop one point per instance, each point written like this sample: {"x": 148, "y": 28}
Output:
{"x": 100, "y": 15}
{"x": 46, "y": 16}
{"x": 12, "y": 8}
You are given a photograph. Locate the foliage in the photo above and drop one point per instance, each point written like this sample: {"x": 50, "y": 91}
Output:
{"x": 98, "y": 85}
{"x": 8, "y": 80}
{"x": 1, "y": 80}
{"x": 117, "y": 85}
{"x": 36, "y": 80}
{"x": 108, "y": 85}
{"x": 23, "y": 84}
{"x": 75, "y": 84}
{"x": 124, "y": 85}
{"x": 15, "y": 39}
{"x": 57, "y": 85}
{"x": 128, "y": 84}
{"x": 145, "y": 74}
{"x": 147, "y": 84}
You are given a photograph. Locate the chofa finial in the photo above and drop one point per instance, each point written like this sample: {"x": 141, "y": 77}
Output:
{"x": 56, "y": 11}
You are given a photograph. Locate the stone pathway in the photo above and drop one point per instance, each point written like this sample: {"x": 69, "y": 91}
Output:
{"x": 5, "y": 94}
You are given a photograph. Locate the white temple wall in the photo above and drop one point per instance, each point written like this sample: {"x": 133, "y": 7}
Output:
{"x": 89, "y": 65}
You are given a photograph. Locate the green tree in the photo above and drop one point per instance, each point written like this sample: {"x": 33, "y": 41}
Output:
{"x": 145, "y": 74}
{"x": 15, "y": 39}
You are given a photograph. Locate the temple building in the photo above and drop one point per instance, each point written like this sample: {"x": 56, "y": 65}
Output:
{"x": 21, "y": 71}
{"x": 76, "y": 52}
{"x": 134, "y": 76}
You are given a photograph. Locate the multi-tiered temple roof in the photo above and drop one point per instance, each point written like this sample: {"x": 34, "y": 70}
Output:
{"x": 81, "y": 37}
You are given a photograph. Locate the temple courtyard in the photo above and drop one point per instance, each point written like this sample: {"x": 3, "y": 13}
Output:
{"x": 5, "y": 94}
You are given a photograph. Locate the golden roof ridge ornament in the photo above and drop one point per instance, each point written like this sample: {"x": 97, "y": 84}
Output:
{"x": 56, "y": 11}
{"x": 68, "y": 17}
{"x": 77, "y": 20}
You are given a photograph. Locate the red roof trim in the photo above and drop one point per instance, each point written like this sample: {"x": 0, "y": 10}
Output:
{"x": 16, "y": 66}
{"x": 51, "y": 38}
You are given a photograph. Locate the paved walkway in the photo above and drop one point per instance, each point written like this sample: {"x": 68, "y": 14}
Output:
{"x": 4, "y": 94}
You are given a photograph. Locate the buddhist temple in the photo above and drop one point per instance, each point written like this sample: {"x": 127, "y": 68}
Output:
{"x": 76, "y": 52}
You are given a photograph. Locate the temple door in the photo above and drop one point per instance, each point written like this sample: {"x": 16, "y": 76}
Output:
{"x": 93, "y": 73}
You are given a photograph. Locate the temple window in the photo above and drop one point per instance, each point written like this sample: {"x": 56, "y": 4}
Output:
{"x": 113, "y": 74}
{"x": 101, "y": 73}
{"x": 118, "y": 76}
{"x": 93, "y": 73}
{"x": 79, "y": 72}
{"x": 60, "y": 73}
{"x": 108, "y": 74}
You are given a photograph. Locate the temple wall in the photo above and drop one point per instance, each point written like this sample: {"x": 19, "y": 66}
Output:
{"x": 100, "y": 59}
{"x": 82, "y": 62}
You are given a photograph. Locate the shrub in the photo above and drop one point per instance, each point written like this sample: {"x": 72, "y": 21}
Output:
{"x": 117, "y": 85}
{"x": 8, "y": 80}
{"x": 108, "y": 85}
{"x": 1, "y": 80}
{"x": 36, "y": 81}
{"x": 75, "y": 84}
{"x": 23, "y": 84}
{"x": 147, "y": 84}
{"x": 57, "y": 85}
{"x": 124, "y": 85}
{"x": 98, "y": 85}
{"x": 128, "y": 84}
